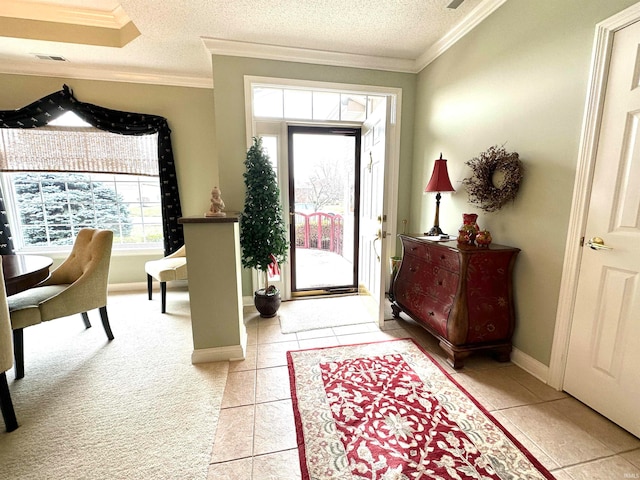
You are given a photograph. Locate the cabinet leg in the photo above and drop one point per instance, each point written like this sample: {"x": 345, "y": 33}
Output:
{"x": 455, "y": 358}
{"x": 503, "y": 354}
{"x": 395, "y": 310}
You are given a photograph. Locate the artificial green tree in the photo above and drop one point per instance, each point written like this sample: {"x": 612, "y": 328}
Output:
{"x": 263, "y": 233}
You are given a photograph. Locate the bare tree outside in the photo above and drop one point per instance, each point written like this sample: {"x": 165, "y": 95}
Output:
{"x": 325, "y": 185}
{"x": 323, "y": 189}
{"x": 324, "y": 196}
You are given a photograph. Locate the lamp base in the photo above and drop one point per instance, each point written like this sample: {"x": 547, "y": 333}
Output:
{"x": 435, "y": 230}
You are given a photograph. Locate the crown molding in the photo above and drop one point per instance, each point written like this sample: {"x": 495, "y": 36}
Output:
{"x": 64, "y": 71}
{"x": 217, "y": 46}
{"x": 59, "y": 23}
{"x": 46, "y": 12}
{"x": 244, "y": 49}
{"x": 473, "y": 19}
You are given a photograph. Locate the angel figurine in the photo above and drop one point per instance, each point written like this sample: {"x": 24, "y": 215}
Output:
{"x": 217, "y": 204}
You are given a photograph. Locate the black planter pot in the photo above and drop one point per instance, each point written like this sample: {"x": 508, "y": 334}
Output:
{"x": 267, "y": 304}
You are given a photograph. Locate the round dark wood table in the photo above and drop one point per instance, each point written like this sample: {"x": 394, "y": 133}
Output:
{"x": 22, "y": 272}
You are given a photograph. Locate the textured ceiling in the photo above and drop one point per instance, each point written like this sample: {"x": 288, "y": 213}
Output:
{"x": 172, "y": 32}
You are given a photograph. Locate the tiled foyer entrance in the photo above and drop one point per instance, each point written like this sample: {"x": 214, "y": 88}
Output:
{"x": 255, "y": 438}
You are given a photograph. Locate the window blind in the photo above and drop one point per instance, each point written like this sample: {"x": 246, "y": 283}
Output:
{"x": 77, "y": 149}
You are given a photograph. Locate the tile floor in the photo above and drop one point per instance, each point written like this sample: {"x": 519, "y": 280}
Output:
{"x": 256, "y": 438}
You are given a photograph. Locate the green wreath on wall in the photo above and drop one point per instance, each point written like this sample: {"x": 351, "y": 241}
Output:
{"x": 496, "y": 178}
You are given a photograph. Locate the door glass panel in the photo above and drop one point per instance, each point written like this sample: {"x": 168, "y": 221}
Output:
{"x": 323, "y": 196}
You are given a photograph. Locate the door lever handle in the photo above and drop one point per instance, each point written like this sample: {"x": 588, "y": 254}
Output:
{"x": 597, "y": 243}
{"x": 380, "y": 234}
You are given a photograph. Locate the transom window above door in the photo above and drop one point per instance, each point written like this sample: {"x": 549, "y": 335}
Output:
{"x": 318, "y": 105}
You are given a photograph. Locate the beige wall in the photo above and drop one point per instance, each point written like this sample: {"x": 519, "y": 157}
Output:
{"x": 518, "y": 79}
{"x": 189, "y": 112}
{"x": 228, "y": 80}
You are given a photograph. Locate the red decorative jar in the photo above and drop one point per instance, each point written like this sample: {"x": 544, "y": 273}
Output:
{"x": 469, "y": 229}
{"x": 463, "y": 236}
{"x": 483, "y": 238}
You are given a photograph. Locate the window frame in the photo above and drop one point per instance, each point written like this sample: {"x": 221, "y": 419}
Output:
{"x": 16, "y": 225}
{"x": 10, "y": 199}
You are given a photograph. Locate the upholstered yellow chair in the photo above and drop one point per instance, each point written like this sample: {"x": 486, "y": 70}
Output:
{"x": 78, "y": 285}
{"x": 172, "y": 267}
{"x": 6, "y": 360}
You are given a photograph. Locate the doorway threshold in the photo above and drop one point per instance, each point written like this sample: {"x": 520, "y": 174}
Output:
{"x": 336, "y": 292}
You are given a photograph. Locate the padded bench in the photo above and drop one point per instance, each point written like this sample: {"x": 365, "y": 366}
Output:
{"x": 172, "y": 267}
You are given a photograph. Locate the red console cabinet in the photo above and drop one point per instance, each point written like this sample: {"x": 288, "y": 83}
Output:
{"x": 463, "y": 295}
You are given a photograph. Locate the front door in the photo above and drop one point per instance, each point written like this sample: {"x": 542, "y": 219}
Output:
{"x": 323, "y": 203}
{"x": 373, "y": 218}
{"x": 604, "y": 347}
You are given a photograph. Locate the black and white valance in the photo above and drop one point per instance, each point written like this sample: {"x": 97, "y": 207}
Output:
{"x": 47, "y": 109}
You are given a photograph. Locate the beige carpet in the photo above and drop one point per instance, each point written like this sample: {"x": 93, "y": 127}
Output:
{"x": 134, "y": 408}
{"x": 323, "y": 312}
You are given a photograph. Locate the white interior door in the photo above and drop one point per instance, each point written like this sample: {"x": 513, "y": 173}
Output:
{"x": 604, "y": 347}
{"x": 372, "y": 244}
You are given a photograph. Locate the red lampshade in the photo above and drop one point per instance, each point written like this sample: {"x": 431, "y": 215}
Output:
{"x": 439, "y": 178}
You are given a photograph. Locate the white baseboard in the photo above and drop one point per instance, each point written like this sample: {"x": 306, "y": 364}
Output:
{"x": 142, "y": 286}
{"x": 247, "y": 301}
{"x": 530, "y": 365}
{"x": 127, "y": 287}
{"x": 218, "y": 354}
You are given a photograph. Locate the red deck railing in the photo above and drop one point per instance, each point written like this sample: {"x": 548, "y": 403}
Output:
{"x": 322, "y": 231}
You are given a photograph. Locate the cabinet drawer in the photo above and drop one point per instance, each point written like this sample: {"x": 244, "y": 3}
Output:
{"x": 434, "y": 254}
{"x": 436, "y": 313}
{"x": 426, "y": 310}
{"x": 443, "y": 285}
{"x": 417, "y": 273}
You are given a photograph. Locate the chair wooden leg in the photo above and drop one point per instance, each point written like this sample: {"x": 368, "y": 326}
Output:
{"x": 163, "y": 293}
{"x": 85, "y": 318}
{"x": 18, "y": 352}
{"x": 105, "y": 322}
{"x": 149, "y": 285}
{"x": 9, "y": 415}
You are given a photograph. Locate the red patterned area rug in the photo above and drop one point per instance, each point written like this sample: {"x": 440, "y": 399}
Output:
{"x": 387, "y": 411}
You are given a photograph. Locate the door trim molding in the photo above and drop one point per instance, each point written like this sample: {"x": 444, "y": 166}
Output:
{"x": 587, "y": 150}
{"x": 328, "y": 130}
{"x": 392, "y": 161}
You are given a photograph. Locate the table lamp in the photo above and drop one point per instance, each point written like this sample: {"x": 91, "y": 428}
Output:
{"x": 439, "y": 183}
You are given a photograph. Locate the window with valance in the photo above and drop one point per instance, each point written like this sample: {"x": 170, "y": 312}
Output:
{"x": 35, "y": 147}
